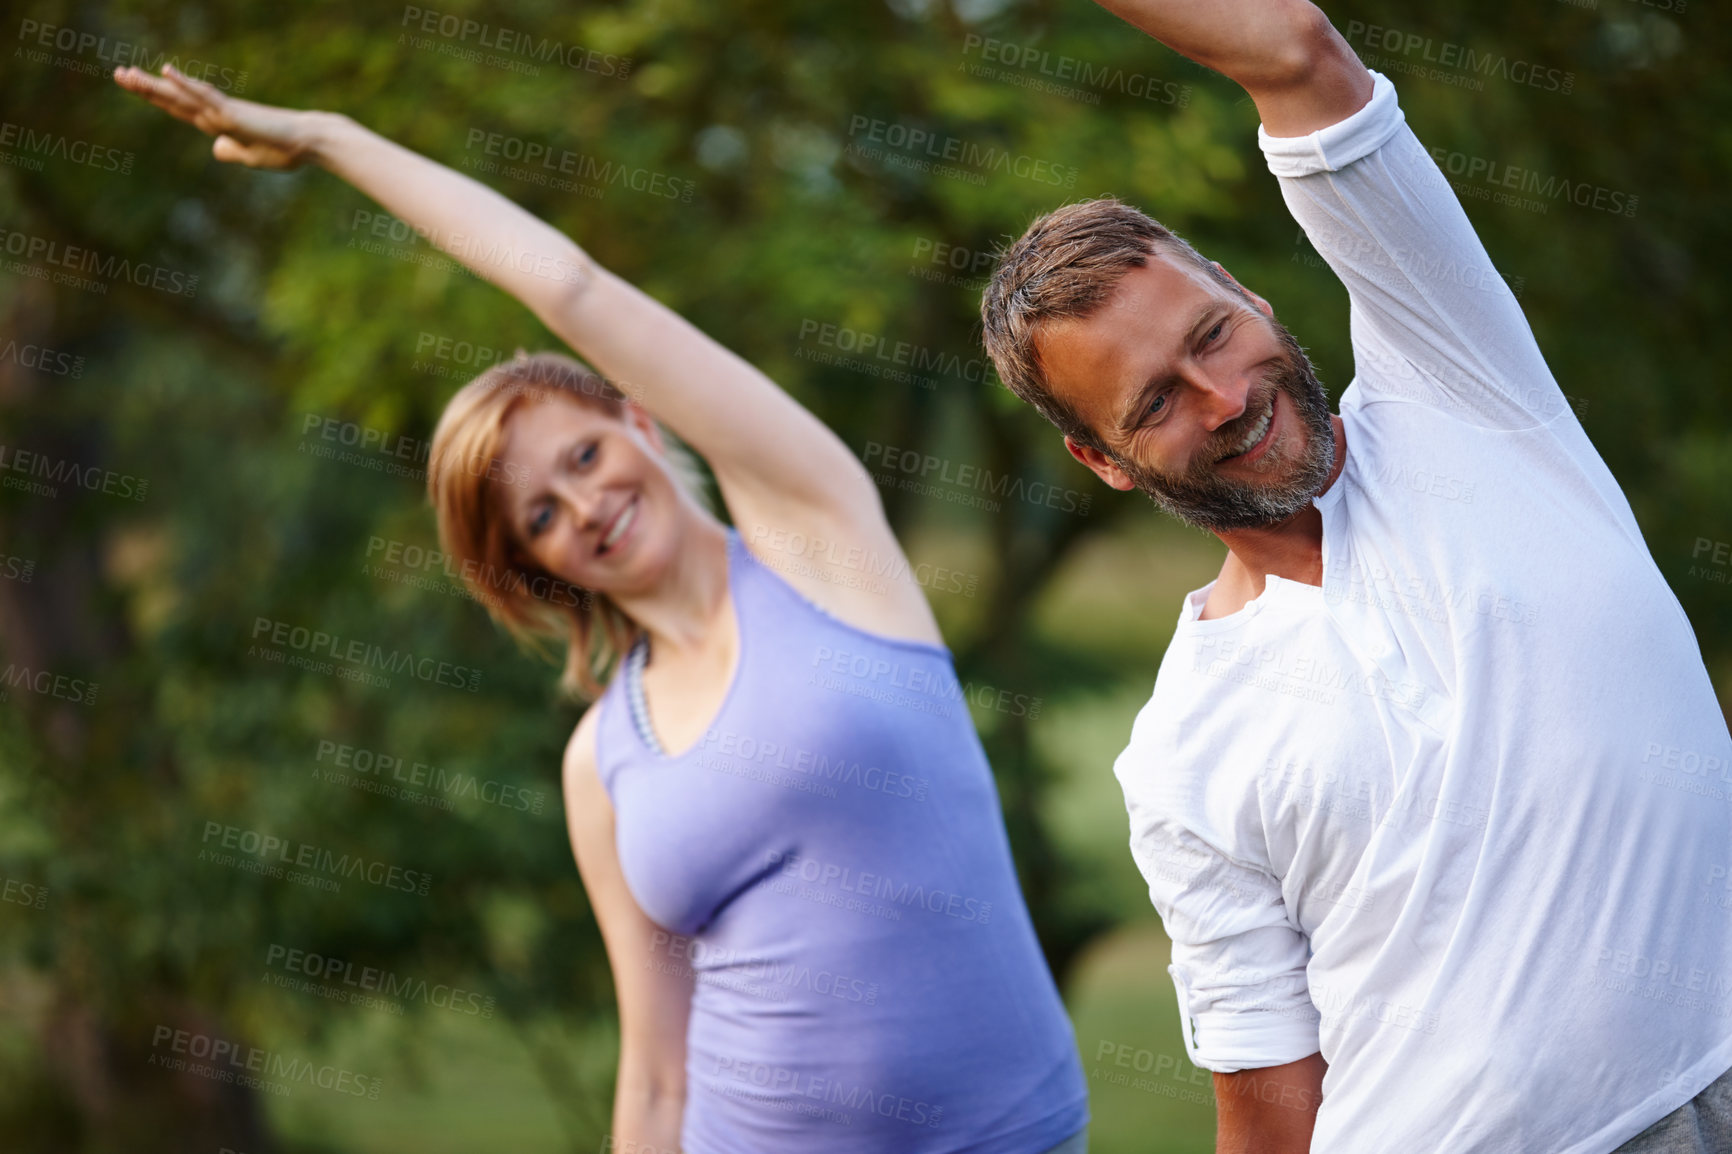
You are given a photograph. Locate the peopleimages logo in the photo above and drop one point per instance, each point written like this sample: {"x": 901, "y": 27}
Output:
{"x": 774, "y": 753}
{"x": 253, "y": 1066}
{"x": 43, "y": 359}
{"x": 368, "y": 767}
{"x": 866, "y": 347}
{"x": 1479, "y": 169}
{"x": 784, "y": 1087}
{"x": 589, "y": 170}
{"x": 47, "y": 683}
{"x": 879, "y": 887}
{"x": 928, "y": 688}
{"x": 512, "y": 42}
{"x": 1463, "y": 61}
{"x": 316, "y": 972}
{"x": 89, "y": 262}
{"x": 35, "y": 144}
{"x": 925, "y": 468}
{"x": 931, "y": 148}
{"x": 53, "y": 471}
{"x": 276, "y": 851}
{"x": 1059, "y": 67}
{"x": 357, "y": 654}
{"x": 110, "y": 54}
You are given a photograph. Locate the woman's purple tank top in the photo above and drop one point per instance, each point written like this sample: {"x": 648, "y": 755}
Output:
{"x": 830, "y": 860}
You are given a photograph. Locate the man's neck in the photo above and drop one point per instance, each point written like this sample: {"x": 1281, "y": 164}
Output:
{"x": 1291, "y": 549}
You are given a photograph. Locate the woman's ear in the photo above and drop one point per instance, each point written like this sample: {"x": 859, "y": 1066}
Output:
{"x": 639, "y": 418}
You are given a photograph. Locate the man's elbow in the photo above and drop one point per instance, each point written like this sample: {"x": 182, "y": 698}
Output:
{"x": 1309, "y": 46}
{"x": 1313, "y": 80}
{"x": 1308, "y": 42}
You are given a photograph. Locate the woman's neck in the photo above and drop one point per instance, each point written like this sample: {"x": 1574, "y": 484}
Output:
{"x": 680, "y": 611}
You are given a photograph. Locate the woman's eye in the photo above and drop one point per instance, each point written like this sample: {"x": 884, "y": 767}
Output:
{"x": 587, "y": 453}
{"x": 538, "y": 520}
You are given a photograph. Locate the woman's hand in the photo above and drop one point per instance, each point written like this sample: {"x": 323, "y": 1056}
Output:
{"x": 256, "y": 135}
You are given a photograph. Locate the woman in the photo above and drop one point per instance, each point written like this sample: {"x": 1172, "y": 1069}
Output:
{"x": 781, "y": 812}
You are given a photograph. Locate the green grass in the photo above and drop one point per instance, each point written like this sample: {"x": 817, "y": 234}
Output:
{"x": 452, "y": 1084}
{"x": 1145, "y": 1095}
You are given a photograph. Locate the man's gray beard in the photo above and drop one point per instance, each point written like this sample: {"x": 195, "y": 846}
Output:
{"x": 1200, "y": 496}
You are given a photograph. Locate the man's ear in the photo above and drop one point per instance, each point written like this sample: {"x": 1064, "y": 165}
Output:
{"x": 1100, "y": 465}
{"x": 1263, "y": 306}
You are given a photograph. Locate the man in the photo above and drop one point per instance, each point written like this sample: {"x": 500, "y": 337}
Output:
{"x": 1432, "y": 789}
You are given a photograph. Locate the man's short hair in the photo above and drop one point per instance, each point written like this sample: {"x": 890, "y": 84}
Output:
{"x": 1065, "y": 267}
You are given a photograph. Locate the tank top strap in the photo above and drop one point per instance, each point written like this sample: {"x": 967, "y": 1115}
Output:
{"x": 614, "y": 747}
{"x": 766, "y": 600}
{"x": 789, "y": 622}
{"x": 760, "y": 595}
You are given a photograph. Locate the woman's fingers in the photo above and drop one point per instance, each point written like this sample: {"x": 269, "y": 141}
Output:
{"x": 246, "y": 133}
{"x": 258, "y": 155}
{"x": 202, "y": 89}
{"x": 161, "y": 93}
{"x": 231, "y": 151}
{"x": 174, "y": 94}
{"x": 228, "y": 150}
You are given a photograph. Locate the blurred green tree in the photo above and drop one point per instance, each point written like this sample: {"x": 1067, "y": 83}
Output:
{"x": 769, "y": 168}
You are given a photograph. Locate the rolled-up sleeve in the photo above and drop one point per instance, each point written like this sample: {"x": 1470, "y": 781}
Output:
{"x": 1238, "y": 961}
{"x": 1239, "y": 957}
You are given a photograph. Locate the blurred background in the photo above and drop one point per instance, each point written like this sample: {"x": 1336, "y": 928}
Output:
{"x": 217, "y": 385}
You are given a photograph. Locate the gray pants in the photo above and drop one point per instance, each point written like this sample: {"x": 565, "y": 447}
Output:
{"x": 1077, "y": 1143}
{"x": 1703, "y": 1125}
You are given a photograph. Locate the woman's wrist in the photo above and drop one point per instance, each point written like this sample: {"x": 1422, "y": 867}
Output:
{"x": 326, "y": 132}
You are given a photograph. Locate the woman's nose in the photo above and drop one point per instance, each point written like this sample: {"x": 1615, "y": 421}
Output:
{"x": 582, "y": 500}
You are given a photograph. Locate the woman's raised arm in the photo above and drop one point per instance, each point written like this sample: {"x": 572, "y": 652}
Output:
{"x": 774, "y": 461}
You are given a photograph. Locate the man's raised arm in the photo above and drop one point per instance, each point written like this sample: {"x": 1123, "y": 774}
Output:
{"x": 1299, "y": 71}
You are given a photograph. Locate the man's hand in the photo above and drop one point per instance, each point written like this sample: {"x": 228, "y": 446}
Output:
{"x": 1299, "y": 71}
{"x": 1269, "y": 1111}
{"x": 256, "y": 135}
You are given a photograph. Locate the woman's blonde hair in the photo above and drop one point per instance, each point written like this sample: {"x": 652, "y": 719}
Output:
{"x": 463, "y": 469}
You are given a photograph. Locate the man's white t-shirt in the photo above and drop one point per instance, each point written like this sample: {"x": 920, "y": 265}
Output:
{"x": 1461, "y": 817}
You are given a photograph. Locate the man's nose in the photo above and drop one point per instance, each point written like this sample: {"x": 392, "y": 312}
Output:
{"x": 1221, "y": 398}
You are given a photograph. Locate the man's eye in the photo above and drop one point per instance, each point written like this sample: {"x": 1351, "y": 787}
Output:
{"x": 1216, "y": 331}
{"x": 1158, "y": 404}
